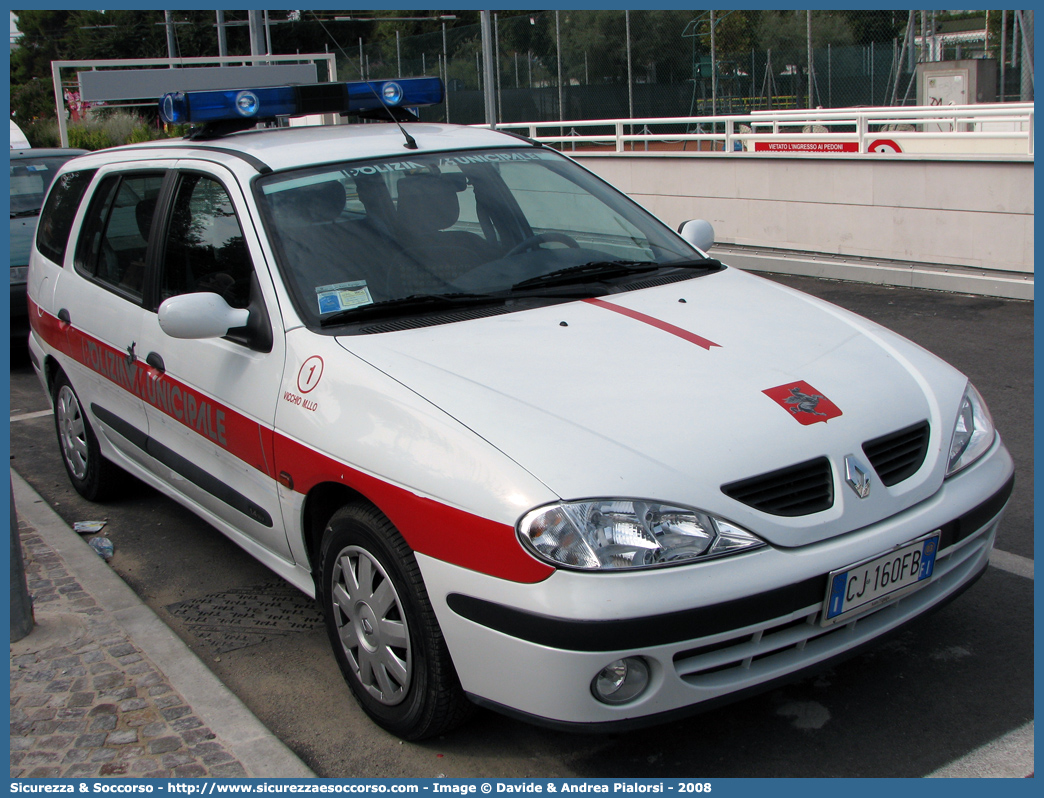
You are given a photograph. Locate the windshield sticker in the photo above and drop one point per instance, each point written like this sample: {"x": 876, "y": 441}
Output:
{"x": 383, "y": 168}
{"x": 497, "y": 157}
{"x": 343, "y": 296}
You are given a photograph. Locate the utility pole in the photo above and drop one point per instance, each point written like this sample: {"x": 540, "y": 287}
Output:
{"x": 808, "y": 38}
{"x": 630, "y": 77}
{"x": 487, "y": 68}
{"x": 714, "y": 68}
{"x": 171, "y": 46}
{"x": 558, "y": 52}
{"x": 1026, "y": 27}
{"x": 255, "y": 24}
{"x": 445, "y": 64}
{"x": 221, "y": 34}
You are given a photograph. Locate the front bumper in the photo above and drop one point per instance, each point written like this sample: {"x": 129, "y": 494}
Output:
{"x": 532, "y": 650}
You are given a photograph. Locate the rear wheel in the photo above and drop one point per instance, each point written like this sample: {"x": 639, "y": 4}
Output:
{"x": 90, "y": 473}
{"x": 383, "y": 629}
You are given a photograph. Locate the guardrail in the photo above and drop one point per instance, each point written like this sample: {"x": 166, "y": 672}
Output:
{"x": 1004, "y": 129}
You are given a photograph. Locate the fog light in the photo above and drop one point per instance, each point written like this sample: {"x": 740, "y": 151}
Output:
{"x": 621, "y": 681}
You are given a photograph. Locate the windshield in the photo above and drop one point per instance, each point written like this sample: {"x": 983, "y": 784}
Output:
{"x": 30, "y": 178}
{"x": 420, "y": 232}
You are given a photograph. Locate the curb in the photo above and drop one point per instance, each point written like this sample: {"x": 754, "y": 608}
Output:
{"x": 246, "y": 738}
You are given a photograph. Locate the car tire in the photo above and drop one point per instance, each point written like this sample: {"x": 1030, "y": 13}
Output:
{"x": 91, "y": 474}
{"x": 383, "y": 630}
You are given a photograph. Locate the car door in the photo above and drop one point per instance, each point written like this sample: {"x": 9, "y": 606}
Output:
{"x": 98, "y": 300}
{"x": 213, "y": 404}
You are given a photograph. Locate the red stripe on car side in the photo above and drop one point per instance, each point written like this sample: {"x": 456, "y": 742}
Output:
{"x": 692, "y": 338}
{"x": 428, "y": 526}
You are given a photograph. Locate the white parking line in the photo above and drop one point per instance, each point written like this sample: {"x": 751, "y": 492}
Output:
{"x": 1012, "y": 563}
{"x": 1010, "y": 756}
{"x": 28, "y": 416}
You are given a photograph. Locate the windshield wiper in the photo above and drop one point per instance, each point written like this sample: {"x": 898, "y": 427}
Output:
{"x": 588, "y": 272}
{"x": 23, "y": 214}
{"x": 404, "y": 305}
{"x": 598, "y": 270}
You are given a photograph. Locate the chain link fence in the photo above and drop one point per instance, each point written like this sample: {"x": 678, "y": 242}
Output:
{"x": 632, "y": 64}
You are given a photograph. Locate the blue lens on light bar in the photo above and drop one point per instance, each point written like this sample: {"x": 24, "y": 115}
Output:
{"x": 316, "y": 98}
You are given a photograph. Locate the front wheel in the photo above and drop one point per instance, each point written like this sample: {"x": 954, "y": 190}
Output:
{"x": 383, "y": 630}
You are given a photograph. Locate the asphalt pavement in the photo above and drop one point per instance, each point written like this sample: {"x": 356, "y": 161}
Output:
{"x": 242, "y": 677}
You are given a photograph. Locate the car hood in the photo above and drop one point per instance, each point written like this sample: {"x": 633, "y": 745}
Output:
{"x": 667, "y": 393}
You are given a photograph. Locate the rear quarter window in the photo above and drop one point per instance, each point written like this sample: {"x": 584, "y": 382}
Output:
{"x": 52, "y": 233}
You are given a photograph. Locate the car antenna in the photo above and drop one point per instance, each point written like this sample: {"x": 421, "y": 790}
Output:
{"x": 411, "y": 143}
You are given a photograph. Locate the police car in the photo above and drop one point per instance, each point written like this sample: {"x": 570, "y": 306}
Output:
{"x": 528, "y": 447}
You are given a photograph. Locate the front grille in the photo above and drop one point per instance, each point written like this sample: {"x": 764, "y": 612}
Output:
{"x": 800, "y": 489}
{"x": 897, "y": 456}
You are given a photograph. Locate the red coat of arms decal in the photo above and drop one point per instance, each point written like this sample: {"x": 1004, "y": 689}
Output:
{"x": 803, "y": 402}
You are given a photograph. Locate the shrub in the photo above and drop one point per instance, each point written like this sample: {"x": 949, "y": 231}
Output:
{"x": 42, "y": 133}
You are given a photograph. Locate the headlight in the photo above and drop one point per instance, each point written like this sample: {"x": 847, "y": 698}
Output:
{"x": 610, "y": 534}
{"x": 973, "y": 433}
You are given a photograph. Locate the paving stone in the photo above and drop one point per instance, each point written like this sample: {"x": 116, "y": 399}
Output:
{"x": 154, "y": 729}
{"x": 80, "y": 700}
{"x": 81, "y": 770}
{"x": 184, "y": 724}
{"x": 173, "y": 713}
{"x": 192, "y": 771}
{"x": 230, "y": 770}
{"x": 48, "y": 772}
{"x": 176, "y": 760}
{"x": 164, "y": 744}
{"x": 122, "y": 737}
{"x": 103, "y": 723}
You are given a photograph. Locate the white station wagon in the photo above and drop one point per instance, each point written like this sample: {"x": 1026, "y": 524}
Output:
{"x": 528, "y": 447}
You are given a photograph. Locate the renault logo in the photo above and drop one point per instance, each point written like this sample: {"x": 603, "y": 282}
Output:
{"x": 857, "y": 477}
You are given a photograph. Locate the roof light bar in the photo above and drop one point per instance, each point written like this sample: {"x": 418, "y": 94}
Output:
{"x": 317, "y": 98}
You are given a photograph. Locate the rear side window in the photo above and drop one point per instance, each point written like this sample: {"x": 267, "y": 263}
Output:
{"x": 52, "y": 234}
{"x": 115, "y": 233}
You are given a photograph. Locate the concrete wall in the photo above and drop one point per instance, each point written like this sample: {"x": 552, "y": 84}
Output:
{"x": 969, "y": 221}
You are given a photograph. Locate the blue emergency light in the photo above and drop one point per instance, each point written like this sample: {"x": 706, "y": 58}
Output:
{"x": 354, "y": 97}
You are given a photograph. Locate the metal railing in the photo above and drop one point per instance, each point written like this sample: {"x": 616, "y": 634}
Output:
{"x": 988, "y": 129}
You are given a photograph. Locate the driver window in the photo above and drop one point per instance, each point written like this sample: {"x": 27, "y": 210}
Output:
{"x": 205, "y": 249}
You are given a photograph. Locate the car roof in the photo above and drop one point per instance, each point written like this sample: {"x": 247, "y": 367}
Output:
{"x": 295, "y": 147}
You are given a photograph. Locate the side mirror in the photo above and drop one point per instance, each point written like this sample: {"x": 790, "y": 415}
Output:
{"x": 200, "y": 315}
{"x": 699, "y": 233}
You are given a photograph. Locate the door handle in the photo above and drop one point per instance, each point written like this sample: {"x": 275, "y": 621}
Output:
{"x": 63, "y": 315}
{"x": 155, "y": 361}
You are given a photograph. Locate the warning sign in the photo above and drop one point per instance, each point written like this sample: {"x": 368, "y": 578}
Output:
{"x": 806, "y": 146}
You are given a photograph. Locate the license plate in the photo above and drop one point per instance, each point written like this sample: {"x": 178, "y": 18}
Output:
{"x": 880, "y": 580}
